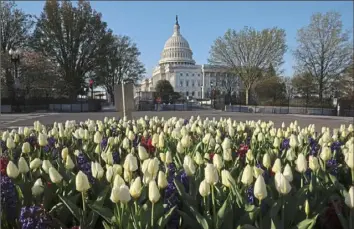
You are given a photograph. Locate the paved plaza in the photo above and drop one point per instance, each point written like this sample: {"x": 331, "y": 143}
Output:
{"x": 9, "y": 121}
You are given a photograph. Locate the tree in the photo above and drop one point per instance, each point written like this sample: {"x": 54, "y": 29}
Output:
{"x": 271, "y": 89}
{"x": 324, "y": 50}
{"x": 123, "y": 64}
{"x": 38, "y": 74}
{"x": 304, "y": 85}
{"x": 248, "y": 53}
{"x": 73, "y": 37}
{"x": 346, "y": 86}
{"x": 15, "y": 27}
{"x": 165, "y": 91}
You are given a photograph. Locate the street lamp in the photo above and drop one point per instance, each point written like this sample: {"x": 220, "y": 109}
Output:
{"x": 15, "y": 59}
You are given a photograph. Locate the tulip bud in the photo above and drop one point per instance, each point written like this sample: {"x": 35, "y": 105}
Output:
{"x": 97, "y": 138}
{"x": 257, "y": 171}
{"x": 211, "y": 174}
{"x": 161, "y": 180}
{"x": 198, "y": 158}
{"x": 22, "y": 165}
{"x": 10, "y": 144}
{"x": 97, "y": 170}
{"x": 38, "y": 187}
{"x": 46, "y": 165}
{"x": 217, "y": 161}
{"x": 118, "y": 181}
{"x": 11, "y": 170}
{"x": 168, "y": 157}
{"x": 109, "y": 174}
{"x": 204, "y": 188}
{"x": 276, "y": 166}
{"x": 125, "y": 144}
{"x": 135, "y": 188}
{"x": 64, "y": 153}
{"x": 313, "y": 163}
{"x": 35, "y": 163}
{"x": 301, "y": 163}
{"x": 349, "y": 159}
{"x": 260, "y": 189}
{"x": 26, "y": 147}
{"x": 142, "y": 153}
{"x": 267, "y": 161}
{"x": 276, "y": 143}
{"x": 54, "y": 176}
{"x": 326, "y": 153}
{"x": 69, "y": 164}
{"x": 154, "y": 193}
{"x": 81, "y": 182}
{"x": 226, "y": 178}
{"x": 293, "y": 141}
{"x": 247, "y": 175}
{"x": 42, "y": 139}
{"x": 130, "y": 163}
{"x": 163, "y": 157}
{"x": 282, "y": 184}
{"x": 114, "y": 195}
{"x": 307, "y": 207}
{"x": 188, "y": 165}
{"x": 349, "y": 198}
{"x": 288, "y": 174}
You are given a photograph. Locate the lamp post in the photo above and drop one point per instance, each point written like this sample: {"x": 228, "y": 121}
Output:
{"x": 15, "y": 59}
{"x": 212, "y": 93}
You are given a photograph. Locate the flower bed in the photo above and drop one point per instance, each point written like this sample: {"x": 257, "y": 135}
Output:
{"x": 156, "y": 173}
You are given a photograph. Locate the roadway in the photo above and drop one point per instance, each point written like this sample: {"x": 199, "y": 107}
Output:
{"x": 10, "y": 121}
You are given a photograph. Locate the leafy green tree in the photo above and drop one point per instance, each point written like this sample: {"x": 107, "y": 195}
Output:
{"x": 249, "y": 53}
{"x": 74, "y": 37}
{"x": 165, "y": 90}
{"x": 324, "y": 50}
{"x": 271, "y": 90}
{"x": 304, "y": 85}
{"x": 123, "y": 64}
{"x": 15, "y": 28}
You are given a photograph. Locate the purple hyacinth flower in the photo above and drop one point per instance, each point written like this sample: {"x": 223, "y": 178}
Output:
{"x": 9, "y": 197}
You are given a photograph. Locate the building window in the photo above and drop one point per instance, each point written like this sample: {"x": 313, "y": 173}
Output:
{"x": 181, "y": 83}
{"x": 187, "y": 83}
{"x": 198, "y": 93}
{"x": 187, "y": 93}
{"x": 181, "y": 74}
{"x": 192, "y": 83}
{"x": 193, "y": 74}
{"x": 198, "y": 82}
{"x": 198, "y": 74}
{"x": 187, "y": 74}
{"x": 192, "y": 93}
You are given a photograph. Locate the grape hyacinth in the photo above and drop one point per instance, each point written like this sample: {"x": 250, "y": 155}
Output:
{"x": 32, "y": 140}
{"x": 332, "y": 166}
{"x": 85, "y": 166}
{"x": 8, "y": 197}
{"x": 116, "y": 158}
{"x": 34, "y": 218}
{"x": 285, "y": 145}
{"x": 250, "y": 195}
{"x": 336, "y": 146}
{"x": 3, "y": 145}
{"x": 104, "y": 143}
{"x": 314, "y": 147}
{"x": 171, "y": 197}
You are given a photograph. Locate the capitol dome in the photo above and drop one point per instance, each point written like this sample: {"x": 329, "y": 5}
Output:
{"x": 177, "y": 50}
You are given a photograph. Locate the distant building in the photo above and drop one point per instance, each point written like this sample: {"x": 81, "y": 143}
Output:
{"x": 177, "y": 66}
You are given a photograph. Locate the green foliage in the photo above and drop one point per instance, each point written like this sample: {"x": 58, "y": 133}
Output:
{"x": 71, "y": 36}
{"x": 165, "y": 91}
{"x": 271, "y": 90}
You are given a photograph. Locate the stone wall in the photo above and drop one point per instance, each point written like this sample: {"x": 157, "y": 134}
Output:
{"x": 128, "y": 96}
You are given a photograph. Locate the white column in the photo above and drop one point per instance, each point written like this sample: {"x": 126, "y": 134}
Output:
{"x": 203, "y": 81}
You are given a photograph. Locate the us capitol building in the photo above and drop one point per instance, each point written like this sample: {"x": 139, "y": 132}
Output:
{"x": 186, "y": 77}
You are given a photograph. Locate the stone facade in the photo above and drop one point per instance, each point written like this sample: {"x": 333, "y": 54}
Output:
{"x": 190, "y": 79}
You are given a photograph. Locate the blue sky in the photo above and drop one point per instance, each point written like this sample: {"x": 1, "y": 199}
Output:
{"x": 150, "y": 24}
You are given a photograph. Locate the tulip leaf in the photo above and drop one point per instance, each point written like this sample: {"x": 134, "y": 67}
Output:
{"x": 306, "y": 224}
{"x": 192, "y": 223}
{"x": 92, "y": 218}
{"x": 184, "y": 196}
{"x": 104, "y": 212}
{"x": 223, "y": 212}
{"x": 201, "y": 220}
{"x": 105, "y": 225}
{"x": 165, "y": 218}
{"x": 72, "y": 207}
